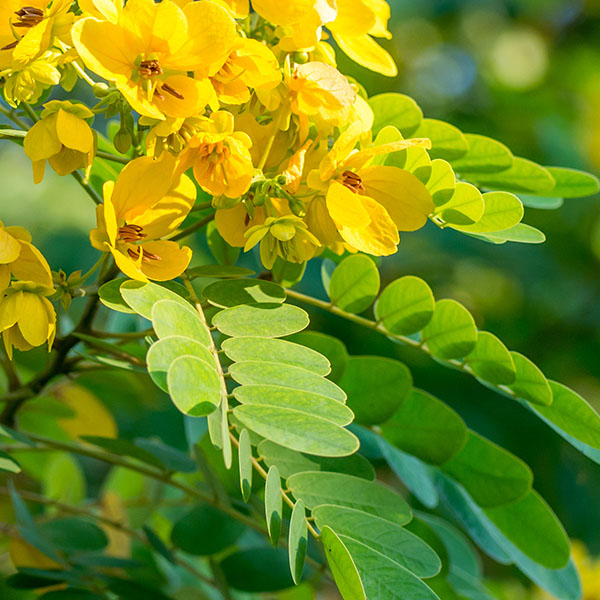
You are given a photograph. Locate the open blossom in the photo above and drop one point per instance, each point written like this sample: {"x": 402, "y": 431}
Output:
{"x": 150, "y": 50}
{"x": 148, "y": 202}
{"x": 62, "y": 137}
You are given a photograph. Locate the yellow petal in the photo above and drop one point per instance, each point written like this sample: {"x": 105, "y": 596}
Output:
{"x": 196, "y": 94}
{"x": 4, "y": 277}
{"x": 34, "y": 324}
{"x": 127, "y": 265}
{"x": 354, "y": 17}
{"x": 41, "y": 141}
{"x": 169, "y": 212}
{"x": 67, "y": 161}
{"x": 364, "y": 50}
{"x": 32, "y": 266}
{"x": 172, "y": 262}
{"x": 379, "y": 238}
{"x": 107, "y": 9}
{"x": 232, "y": 223}
{"x": 10, "y": 310}
{"x": 135, "y": 93}
{"x": 359, "y": 159}
{"x": 406, "y": 199}
{"x": 39, "y": 168}
{"x": 18, "y": 232}
{"x": 74, "y": 132}
{"x": 346, "y": 207}
{"x": 9, "y": 247}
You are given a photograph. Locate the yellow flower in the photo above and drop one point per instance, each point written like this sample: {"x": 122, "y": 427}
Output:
{"x": 62, "y": 137}
{"x": 356, "y": 22}
{"x": 249, "y": 65}
{"x": 150, "y": 50}
{"x": 286, "y": 236}
{"x": 27, "y": 318}
{"x": 148, "y": 201}
{"x": 368, "y": 204}
{"x": 172, "y": 134}
{"x": 233, "y": 223}
{"x": 102, "y": 9}
{"x": 220, "y": 157}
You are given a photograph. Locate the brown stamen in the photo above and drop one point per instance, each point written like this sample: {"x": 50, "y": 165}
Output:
{"x": 131, "y": 233}
{"x": 352, "y": 181}
{"x": 29, "y": 16}
{"x": 146, "y": 256}
{"x": 150, "y": 68}
{"x": 10, "y": 46}
{"x": 167, "y": 88}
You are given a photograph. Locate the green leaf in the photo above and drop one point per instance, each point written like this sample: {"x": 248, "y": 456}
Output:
{"x": 447, "y": 141}
{"x": 523, "y": 176}
{"x": 375, "y": 386}
{"x": 110, "y": 296}
{"x": 426, "y": 428}
{"x": 502, "y": 211}
{"x": 262, "y": 320}
{"x": 490, "y": 360}
{"x": 8, "y": 463}
{"x": 413, "y": 473}
{"x": 354, "y": 284}
{"x": 220, "y": 249}
{"x": 484, "y": 155}
{"x": 390, "y": 540}
{"x": 172, "y": 318}
{"x": 260, "y": 569}
{"x": 205, "y": 530}
{"x": 273, "y": 504}
{"x": 541, "y": 202}
{"x": 415, "y": 160}
{"x": 342, "y": 566}
{"x": 329, "y": 346}
{"x": 465, "y": 207}
{"x": 521, "y": 233}
{"x": 245, "y": 464}
{"x": 141, "y": 297}
{"x": 297, "y": 430}
{"x": 405, "y": 306}
{"x": 297, "y": 541}
{"x": 571, "y": 183}
{"x": 317, "y": 488}
{"x": 256, "y": 372}
{"x": 172, "y": 458}
{"x": 286, "y": 273}
{"x": 533, "y": 528}
{"x": 219, "y": 271}
{"x": 451, "y": 333}
{"x": 383, "y": 578}
{"x": 71, "y": 594}
{"x": 74, "y": 535}
{"x": 277, "y": 351}
{"x": 570, "y": 413}
{"x": 243, "y": 291}
{"x": 194, "y": 386}
{"x": 395, "y": 109}
{"x": 490, "y": 474}
{"x": 157, "y": 544}
{"x": 122, "y": 447}
{"x": 442, "y": 181}
{"x": 300, "y": 400}
{"x": 163, "y": 352}
{"x": 530, "y": 383}
{"x": 289, "y": 462}
{"x": 386, "y": 135}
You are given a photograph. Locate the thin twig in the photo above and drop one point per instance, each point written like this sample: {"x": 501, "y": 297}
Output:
{"x": 192, "y": 228}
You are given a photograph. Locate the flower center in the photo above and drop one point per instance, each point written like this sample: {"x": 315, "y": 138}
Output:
{"x": 352, "y": 181}
{"x": 146, "y": 256}
{"x": 150, "y": 68}
{"x": 29, "y": 16}
{"x": 216, "y": 152}
{"x": 130, "y": 233}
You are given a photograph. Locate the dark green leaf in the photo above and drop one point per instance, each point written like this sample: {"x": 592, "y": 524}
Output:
{"x": 329, "y": 346}
{"x": 110, "y": 295}
{"x": 74, "y": 535}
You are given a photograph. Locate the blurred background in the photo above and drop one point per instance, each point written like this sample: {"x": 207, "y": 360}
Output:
{"x": 526, "y": 72}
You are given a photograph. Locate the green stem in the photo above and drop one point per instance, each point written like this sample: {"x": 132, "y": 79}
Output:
{"x": 130, "y": 335}
{"x": 108, "y": 156}
{"x": 202, "y": 206}
{"x": 30, "y": 112}
{"x": 89, "y": 190}
{"x": 192, "y": 228}
{"x": 10, "y": 114}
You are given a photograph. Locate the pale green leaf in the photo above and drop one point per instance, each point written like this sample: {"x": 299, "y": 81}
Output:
{"x": 442, "y": 181}
{"x": 245, "y": 464}
{"x": 277, "y": 351}
{"x": 232, "y": 292}
{"x": 522, "y": 176}
{"x": 490, "y": 360}
{"x": 342, "y": 566}
{"x": 257, "y": 372}
{"x": 502, "y": 211}
{"x": 300, "y": 400}
{"x": 426, "y": 428}
{"x": 375, "y": 386}
{"x": 163, "y": 352}
{"x": 297, "y": 541}
{"x": 8, "y": 463}
{"x": 405, "y": 306}
{"x": 390, "y": 540}
{"x": 317, "y": 488}
{"x": 465, "y": 207}
{"x": 354, "y": 284}
{"x": 447, "y": 141}
{"x": 262, "y": 320}
{"x": 571, "y": 183}
{"x": 451, "y": 333}
{"x": 273, "y": 504}
{"x": 194, "y": 386}
{"x": 297, "y": 430}
{"x": 521, "y": 233}
{"x": 395, "y": 109}
{"x": 484, "y": 155}
{"x": 172, "y": 318}
{"x": 530, "y": 383}
{"x": 141, "y": 296}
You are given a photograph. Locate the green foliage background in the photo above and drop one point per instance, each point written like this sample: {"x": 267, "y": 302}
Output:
{"x": 539, "y": 299}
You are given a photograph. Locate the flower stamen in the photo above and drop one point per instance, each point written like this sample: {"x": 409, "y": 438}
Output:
{"x": 352, "y": 181}
{"x": 131, "y": 233}
{"x": 167, "y": 88}
{"x": 150, "y": 68}
{"x": 29, "y": 16}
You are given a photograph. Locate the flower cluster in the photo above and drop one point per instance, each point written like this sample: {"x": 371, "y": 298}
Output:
{"x": 245, "y": 99}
